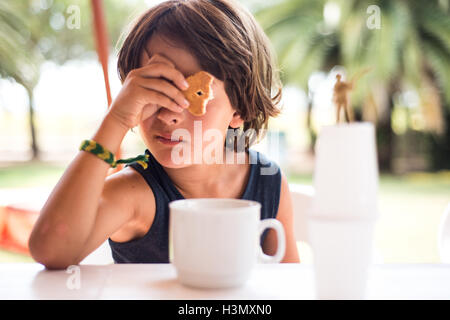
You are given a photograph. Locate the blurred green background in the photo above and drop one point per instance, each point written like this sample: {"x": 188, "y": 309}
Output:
{"x": 52, "y": 96}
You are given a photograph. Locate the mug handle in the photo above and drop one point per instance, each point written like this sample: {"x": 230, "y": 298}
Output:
{"x": 281, "y": 241}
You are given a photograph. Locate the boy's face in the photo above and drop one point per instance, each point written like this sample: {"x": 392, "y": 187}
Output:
{"x": 219, "y": 113}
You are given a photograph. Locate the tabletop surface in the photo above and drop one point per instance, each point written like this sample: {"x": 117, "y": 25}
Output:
{"x": 159, "y": 281}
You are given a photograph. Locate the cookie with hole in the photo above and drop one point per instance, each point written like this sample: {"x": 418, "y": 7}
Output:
{"x": 199, "y": 92}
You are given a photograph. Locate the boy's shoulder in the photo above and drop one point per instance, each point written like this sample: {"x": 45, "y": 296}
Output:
{"x": 127, "y": 174}
{"x": 130, "y": 191}
{"x": 129, "y": 188}
{"x": 128, "y": 182}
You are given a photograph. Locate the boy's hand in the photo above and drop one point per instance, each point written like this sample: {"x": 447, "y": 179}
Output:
{"x": 157, "y": 84}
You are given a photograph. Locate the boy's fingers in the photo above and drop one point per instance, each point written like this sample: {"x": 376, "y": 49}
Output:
{"x": 158, "y": 58}
{"x": 165, "y": 87}
{"x": 148, "y": 111}
{"x": 163, "y": 70}
{"x": 164, "y": 101}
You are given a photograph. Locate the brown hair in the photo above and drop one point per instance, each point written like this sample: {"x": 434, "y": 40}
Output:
{"x": 227, "y": 42}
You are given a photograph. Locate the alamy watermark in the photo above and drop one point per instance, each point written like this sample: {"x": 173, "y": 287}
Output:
{"x": 207, "y": 147}
{"x": 73, "y": 20}
{"x": 374, "y": 19}
{"x": 73, "y": 282}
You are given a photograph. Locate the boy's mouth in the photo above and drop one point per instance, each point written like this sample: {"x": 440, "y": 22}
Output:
{"x": 167, "y": 139}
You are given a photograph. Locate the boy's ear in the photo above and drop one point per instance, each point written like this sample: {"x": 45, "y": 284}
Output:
{"x": 236, "y": 122}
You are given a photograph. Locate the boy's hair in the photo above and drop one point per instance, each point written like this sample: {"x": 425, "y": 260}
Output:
{"x": 227, "y": 42}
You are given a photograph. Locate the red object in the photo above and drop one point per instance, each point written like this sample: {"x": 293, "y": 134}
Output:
{"x": 15, "y": 228}
{"x": 101, "y": 40}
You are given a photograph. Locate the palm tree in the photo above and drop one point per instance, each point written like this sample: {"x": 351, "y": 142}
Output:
{"x": 17, "y": 61}
{"x": 410, "y": 50}
{"x": 22, "y": 32}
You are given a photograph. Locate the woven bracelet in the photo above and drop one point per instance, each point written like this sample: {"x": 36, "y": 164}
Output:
{"x": 107, "y": 156}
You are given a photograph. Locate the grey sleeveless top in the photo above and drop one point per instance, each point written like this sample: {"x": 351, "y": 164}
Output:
{"x": 263, "y": 185}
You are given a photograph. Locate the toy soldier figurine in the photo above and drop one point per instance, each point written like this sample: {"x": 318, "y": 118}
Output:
{"x": 341, "y": 97}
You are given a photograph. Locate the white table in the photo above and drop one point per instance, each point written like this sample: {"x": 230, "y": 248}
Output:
{"x": 158, "y": 281}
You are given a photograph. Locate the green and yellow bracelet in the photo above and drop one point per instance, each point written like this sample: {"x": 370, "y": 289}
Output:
{"x": 107, "y": 156}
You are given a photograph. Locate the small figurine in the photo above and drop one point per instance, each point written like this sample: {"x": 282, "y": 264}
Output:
{"x": 341, "y": 95}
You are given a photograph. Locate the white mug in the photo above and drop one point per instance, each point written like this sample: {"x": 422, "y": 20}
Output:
{"x": 215, "y": 242}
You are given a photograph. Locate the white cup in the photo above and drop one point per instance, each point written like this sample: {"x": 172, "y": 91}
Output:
{"x": 215, "y": 243}
{"x": 342, "y": 253}
{"x": 344, "y": 209}
{"x": 346, "y": 172}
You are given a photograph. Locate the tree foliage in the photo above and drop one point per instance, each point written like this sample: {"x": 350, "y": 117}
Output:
{"x": 410, "y": 50}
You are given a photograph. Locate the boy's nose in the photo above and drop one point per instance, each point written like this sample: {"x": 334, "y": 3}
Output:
{"x": 169, "y": 117}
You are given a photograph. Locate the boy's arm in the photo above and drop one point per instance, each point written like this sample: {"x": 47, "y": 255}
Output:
{"x": 69, "y": 215}
{"x": 286, "y": 217}
{"x": 118, "y": 205}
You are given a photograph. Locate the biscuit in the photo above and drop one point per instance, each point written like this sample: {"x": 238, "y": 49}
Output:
{"x": 199, "y": 92}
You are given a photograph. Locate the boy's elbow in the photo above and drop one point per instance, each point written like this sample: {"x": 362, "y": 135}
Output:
{"x": 49, "y": 261}
{"x": 46, "y": 255}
